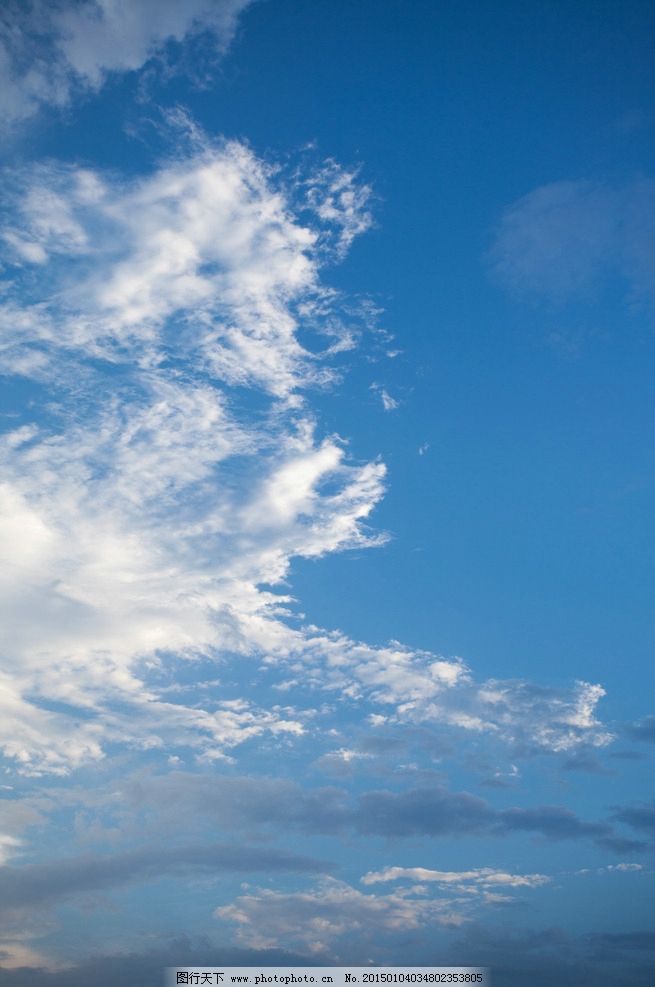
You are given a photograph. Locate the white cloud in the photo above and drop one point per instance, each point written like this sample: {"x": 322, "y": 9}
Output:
{"x": 388, "y": 403}
{"x": 484, "y": 877}
{"x": 334, "y": 916}
{"x": 9, "y": 845}
{"x": 143, "y": 514}
{"x": 207, "y": 240}
{"x": 331, "y": 916}
{"x": 15, "y": 954}
{"x": 418, "y": 687}
{"x": 50, "y": 50}
{"x": 17, "y": 816}
{"x": 147, "y": 529}
{"x": 339, "y": 197}
{"x": 612, "y": 869}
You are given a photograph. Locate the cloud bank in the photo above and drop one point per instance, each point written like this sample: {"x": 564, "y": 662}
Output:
{"x": 50, "y": 51}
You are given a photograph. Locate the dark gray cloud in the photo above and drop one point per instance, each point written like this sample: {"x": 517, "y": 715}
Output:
{"x": 234, "y": 802}
{"x": 553, "y": 822}
{"x": 438, "y": 812}
{"x": 584, "y": 761}
{"x": 422, "y": 812}
{"x": 44, "y": 884}
{"x": 551, "y": 956}
{"x": 622, "y": 844}
{"x": 642, "y": 729}
{"x": 640, "y": 816}
{"x": 147, "y": 969}
{"x": 247, "y": 803}
{"x": 632, "y": 941}
{"x": 539, "y": 958}
{"x": 628, "y": 756}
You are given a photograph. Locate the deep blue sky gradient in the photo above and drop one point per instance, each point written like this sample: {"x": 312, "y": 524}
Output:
{"x": 521, "y": 464}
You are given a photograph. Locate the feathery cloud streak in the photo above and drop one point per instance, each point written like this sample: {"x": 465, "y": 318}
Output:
{"x": 177, "y": 472}
{"x": 562, "y": 241}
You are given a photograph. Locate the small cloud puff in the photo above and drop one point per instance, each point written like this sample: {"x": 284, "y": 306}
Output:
{"x": 388, "y": 403}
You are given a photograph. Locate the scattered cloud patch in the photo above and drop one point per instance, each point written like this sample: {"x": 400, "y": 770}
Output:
{"x": 339, "y": 197}
{"x": 333, "y": 916}
{"x": 388, "y": 403}
{"x": 484, "y": 877}
{"x": 629, "y": 868}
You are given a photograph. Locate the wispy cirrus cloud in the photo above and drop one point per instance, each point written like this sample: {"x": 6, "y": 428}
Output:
{"x": 389, "y": 403}
{"x": 153, "y": 507}
{"x": 129, "y": 548}
{"x": 564, "y": 241}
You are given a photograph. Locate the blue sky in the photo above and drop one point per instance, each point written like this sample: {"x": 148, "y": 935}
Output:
{"x": 327, "y": 478}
